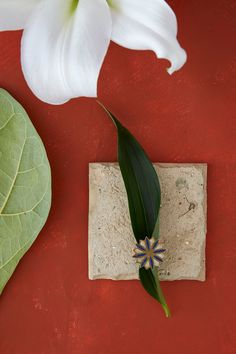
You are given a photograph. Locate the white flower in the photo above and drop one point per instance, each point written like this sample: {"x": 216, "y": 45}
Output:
{"x": 65, "y": 41}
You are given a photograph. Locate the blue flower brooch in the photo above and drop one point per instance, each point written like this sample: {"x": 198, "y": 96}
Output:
{"x": 149, "y": 253}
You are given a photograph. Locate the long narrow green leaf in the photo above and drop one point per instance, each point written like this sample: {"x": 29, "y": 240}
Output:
{"x": 141, "y": 182}
{"x": 144, "y": 197}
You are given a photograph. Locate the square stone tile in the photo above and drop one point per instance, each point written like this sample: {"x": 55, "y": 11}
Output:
{"x": 182, "y": 223}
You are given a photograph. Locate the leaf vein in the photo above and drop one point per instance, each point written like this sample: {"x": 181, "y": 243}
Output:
{"x": 16, "y": 174}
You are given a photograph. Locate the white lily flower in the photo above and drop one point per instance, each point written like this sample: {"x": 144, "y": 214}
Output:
{"x": 65, "y": 41}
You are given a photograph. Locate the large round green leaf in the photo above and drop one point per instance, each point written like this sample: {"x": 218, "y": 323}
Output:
{"x": 25, "y": 185}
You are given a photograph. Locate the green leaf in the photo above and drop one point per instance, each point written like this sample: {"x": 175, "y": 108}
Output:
{"x": 144, "y": 197}
{"x": 150, "y": 281}
{"x": 25, "y": 185}
{"x": 141, "y": 182}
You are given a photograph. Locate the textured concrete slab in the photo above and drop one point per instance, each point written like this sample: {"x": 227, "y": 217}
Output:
{"x": 182, "y": 223}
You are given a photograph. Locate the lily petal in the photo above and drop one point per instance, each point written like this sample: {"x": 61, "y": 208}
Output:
{"x": 147, "y": 24}
{"x": 63, "y": 47}
{"x": 14, "y": 13}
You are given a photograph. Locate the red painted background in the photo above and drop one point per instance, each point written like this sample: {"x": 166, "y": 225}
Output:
{"x": 49, "y": 306}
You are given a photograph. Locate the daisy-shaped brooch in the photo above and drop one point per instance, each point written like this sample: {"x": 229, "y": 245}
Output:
{"x": 149, "y": 253}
